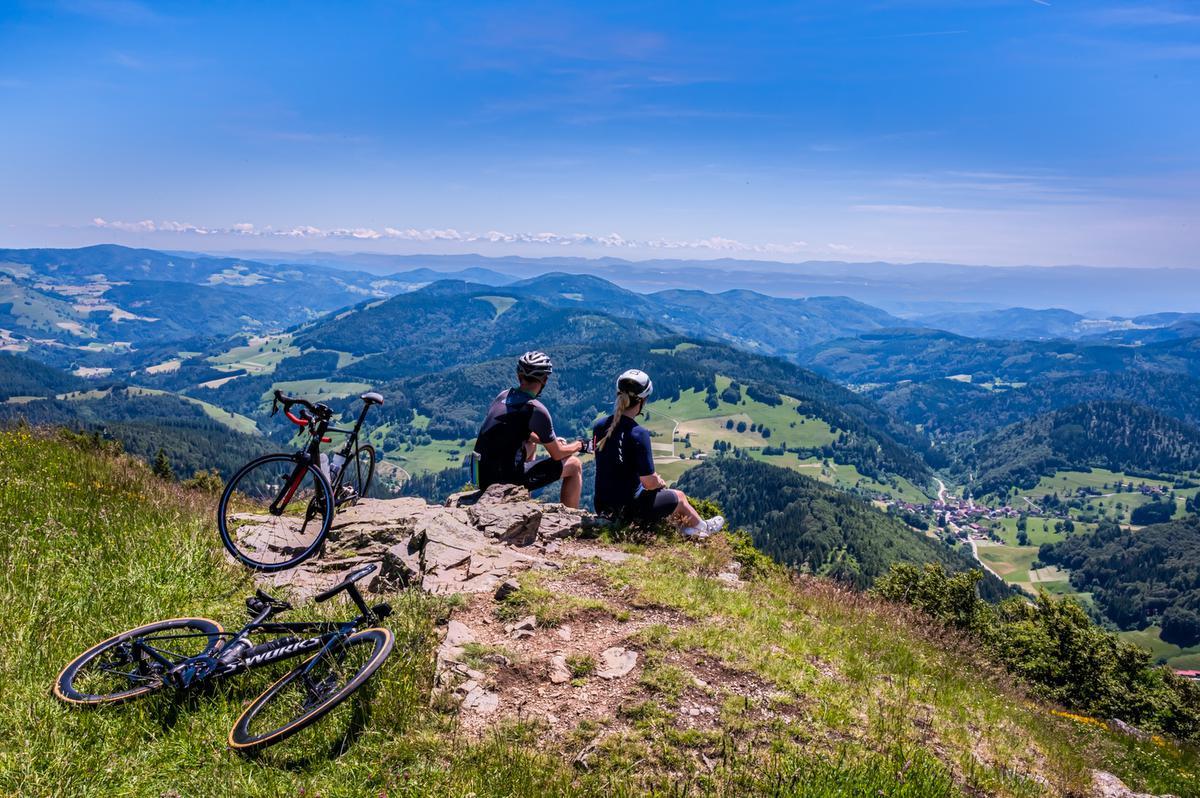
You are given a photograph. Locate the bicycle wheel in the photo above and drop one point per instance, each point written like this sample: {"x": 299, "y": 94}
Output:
{"x": 307, "y": 693}
{"x": 356, "y": 476}
{"x": 121, "y": 668}
{"x": 275, "y": 512}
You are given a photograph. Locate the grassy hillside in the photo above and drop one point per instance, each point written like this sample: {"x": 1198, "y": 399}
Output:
{"x": 856, "y": 697}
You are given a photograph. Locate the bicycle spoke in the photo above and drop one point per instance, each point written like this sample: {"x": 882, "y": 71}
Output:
{"x": 262, "y": 530}
{"x": 330, "y": 672}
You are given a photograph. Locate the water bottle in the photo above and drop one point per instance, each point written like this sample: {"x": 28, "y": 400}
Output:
{"x": 335, "y": 465}
{"x": 323, "y": 464}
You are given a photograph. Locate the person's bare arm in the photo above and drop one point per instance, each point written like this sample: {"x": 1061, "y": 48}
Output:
{"x": 653, "y": 482}
{"x": 560, "y": 449}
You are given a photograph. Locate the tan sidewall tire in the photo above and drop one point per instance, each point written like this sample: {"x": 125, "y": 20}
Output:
{"x": 313, "y": 716}
{"x": 58, "y": 691}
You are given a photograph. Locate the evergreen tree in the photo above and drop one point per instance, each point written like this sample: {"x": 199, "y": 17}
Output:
{"x": 162, "y": 466}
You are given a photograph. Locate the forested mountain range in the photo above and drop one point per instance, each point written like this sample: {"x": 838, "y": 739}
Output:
{"x": 921, "y": 355}
{"x": 1151, "y": 576}
{"x": 107, "y": 293}
{"x": 806, "y": 524}
{"x": 1120, "y": 436}
{"x": 61, "y": 300}
{"x": 192, "y": 437}
{"x": 444, "y": 351}
{"x": 748, "y": 319}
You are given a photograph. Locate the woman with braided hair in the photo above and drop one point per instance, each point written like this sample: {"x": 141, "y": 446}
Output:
{"x": 627, "y": 486}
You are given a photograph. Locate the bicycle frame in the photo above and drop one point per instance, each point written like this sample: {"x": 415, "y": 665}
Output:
{"x": 196, "y": 670}
{"x": 311, "y": 454}
{"x": 349, "y": 451}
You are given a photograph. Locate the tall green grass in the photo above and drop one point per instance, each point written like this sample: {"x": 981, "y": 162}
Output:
{"x": 92, "y": 544}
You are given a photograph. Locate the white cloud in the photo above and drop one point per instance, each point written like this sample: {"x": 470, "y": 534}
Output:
{"x": 546, "y": 238}
{"x": 1144, "y": 16}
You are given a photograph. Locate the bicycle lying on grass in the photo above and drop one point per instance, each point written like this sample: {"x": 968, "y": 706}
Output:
{"x": 185, "y": 653}
{"x": 276, "y": 511}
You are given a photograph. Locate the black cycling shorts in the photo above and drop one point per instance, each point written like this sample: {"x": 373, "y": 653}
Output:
{"x": 648, "y": 506}
{"x": 540, "y": 474}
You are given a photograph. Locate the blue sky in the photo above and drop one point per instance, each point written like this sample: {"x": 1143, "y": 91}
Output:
{"x": 1028, "y": 131}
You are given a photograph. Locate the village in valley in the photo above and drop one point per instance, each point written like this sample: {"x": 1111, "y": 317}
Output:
{"x": 965, "y": 520}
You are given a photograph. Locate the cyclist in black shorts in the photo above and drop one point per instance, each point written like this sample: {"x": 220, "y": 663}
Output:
{"x": 516, "y": 423}
{"x": 627, "y": 486}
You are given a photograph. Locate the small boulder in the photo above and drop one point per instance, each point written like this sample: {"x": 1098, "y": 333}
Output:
{"x": 526, "y": 624}
{"x": 559, "y": 673}
{"x": 482, "y": 701}
{"x": 458, "y": 634}
{"x": 1106, "y": 785}
{"x": 507, "y": 588}
{"x": 616, "y": 662}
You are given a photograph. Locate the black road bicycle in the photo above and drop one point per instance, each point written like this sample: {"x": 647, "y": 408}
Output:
{"x": 184, "y": 653}
{"x": 276, "y": 511}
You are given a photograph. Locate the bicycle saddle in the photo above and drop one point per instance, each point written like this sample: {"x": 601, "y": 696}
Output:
{"x": 372, "y": 398}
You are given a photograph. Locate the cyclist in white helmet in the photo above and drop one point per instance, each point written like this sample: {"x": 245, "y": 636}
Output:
{"x": 627, "y": 486}
{"x": 516, "y": 423}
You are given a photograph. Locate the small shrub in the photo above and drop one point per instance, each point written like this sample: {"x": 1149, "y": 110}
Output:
{"x": 581, "y": 665}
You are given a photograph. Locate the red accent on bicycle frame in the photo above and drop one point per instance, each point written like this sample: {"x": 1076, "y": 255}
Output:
{"x": 293, "y": 487}
{"x": 299, "y": 422}
{"x": 327, "y": 440}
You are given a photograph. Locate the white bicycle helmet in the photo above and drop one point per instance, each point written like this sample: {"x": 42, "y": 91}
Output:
{"x": 635, "y": 383}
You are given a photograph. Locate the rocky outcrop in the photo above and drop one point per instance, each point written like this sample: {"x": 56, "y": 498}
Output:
{"x": 1106, "y": 785}
{"x": 471, "y": 545}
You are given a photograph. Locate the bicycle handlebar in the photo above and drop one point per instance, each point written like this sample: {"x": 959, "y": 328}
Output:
{"x": 346, "y": 583}
{"x": 318, "y": 410}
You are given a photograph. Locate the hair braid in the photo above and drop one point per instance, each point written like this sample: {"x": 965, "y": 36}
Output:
{"x": 624, "y": 402}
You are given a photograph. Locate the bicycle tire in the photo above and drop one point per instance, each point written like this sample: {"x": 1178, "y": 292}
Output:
{"x": 66, "y": 689}
{"x": 358, "y": 472}
{"x": 242, "y": 738}
{"x": 253, "y": 483}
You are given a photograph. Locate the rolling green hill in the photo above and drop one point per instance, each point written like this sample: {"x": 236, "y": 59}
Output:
{"x": 24, "y": 377}
{"x": 448, "y": 405}
{"x": 193, "y": 435}
{"x": 1120, "y": 436}
{"x": 747, "y": 319}
{"x": 1139, "y": 579}
{"x": 805, "y": 524}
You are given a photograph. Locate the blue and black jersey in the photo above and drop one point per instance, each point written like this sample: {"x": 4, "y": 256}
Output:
{"x": 621, "y": 464}
{"x": 512, "y": 415}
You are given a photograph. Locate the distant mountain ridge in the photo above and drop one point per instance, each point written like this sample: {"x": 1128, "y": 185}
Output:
{"x": 901, "y": 288}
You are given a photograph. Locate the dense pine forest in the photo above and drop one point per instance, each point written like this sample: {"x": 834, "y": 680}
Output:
{"x": 1120, "y": 436}
{"x": 1151, "y": 576}
{"x": 808, "y": 525}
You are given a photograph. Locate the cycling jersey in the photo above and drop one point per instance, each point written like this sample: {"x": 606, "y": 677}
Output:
{"x": 512, "y": 415}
